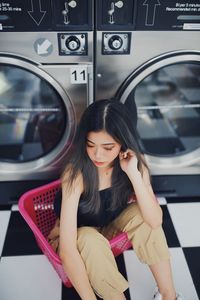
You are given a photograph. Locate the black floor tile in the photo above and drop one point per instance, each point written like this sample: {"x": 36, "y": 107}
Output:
{"x": 182, "y": 199}
{"x": 169, "y": 229}
{"x": 5, "y": 207}
{"x": 192, "y": 256}
{"x": 122, "y": 269}
{"x": 19, "y": 239}
{"x": 69, "y": 293}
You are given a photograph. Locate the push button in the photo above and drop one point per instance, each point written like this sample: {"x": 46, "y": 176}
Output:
{"x": 73, "y": 43}
{"x": 115, "y": 42}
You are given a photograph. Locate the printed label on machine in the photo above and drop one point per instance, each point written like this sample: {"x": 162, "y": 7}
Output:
{"x": 45, "y": 15}
{"x": 36, "y": 14}
{"x": 168, "y": 15}
{"x": 78, "y": 75}
{"x": 43, "y": 47}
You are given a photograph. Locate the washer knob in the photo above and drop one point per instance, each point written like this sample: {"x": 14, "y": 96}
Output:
{"x": 115, "y": 42}
{"x": 72, "y": 43}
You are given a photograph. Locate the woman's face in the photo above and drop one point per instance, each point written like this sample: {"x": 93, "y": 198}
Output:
{"x": 101, "y": 148}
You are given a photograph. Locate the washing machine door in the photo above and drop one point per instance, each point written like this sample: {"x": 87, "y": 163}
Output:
{"x": 166, "y": 91}
{"x": 36, "y": 120}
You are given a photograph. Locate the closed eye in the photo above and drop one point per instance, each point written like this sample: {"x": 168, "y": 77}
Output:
{"x": 91, "y": 146}
{"x": 108, "y": 149}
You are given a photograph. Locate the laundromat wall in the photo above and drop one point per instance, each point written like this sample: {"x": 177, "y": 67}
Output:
{"x": 56, "y": 57}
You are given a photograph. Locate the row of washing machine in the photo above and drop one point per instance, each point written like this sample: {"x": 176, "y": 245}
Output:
{"x": 57, "y": 57}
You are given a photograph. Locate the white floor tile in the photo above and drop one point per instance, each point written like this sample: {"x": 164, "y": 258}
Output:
{"x": 4, "y": 219}
{"x": 185, "y": 217}
{"x": 162, "y": 200}
{"x": 142, "y": 284}
{"x": 28, "y": 277}
{"x": 15, "y": 207}
{"x": 182, "y": 278}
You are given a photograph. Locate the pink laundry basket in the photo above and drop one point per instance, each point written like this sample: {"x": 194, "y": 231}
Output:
{"x": 36, "y": 207}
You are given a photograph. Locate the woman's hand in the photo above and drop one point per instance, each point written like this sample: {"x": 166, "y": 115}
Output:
{"x": 128, "y": 162}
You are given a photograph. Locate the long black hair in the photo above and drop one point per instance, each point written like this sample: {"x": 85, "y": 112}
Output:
{"x": 112, "y": 117}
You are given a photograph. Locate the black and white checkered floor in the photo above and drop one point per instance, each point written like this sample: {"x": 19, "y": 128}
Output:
{"x": 26, "y": 274}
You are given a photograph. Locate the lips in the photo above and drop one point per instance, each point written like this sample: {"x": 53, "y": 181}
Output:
{"x": 98, "y": 163}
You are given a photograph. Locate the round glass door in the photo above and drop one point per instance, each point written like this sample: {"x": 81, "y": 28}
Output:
{"x": 32, "y": 115}
{"x": 167, "y": 97}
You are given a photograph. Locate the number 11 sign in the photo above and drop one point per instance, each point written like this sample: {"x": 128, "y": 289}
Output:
{"x": 78, "y": 75}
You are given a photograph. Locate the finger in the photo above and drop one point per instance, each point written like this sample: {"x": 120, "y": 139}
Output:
{"x": 126, "y": 154}
{"x": 130, "y": 151}
{"x": 122, "y": 154}
{"x": 131, "y": 154}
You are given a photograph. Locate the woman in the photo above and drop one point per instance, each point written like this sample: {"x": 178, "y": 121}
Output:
{"x": 104, "y": 173}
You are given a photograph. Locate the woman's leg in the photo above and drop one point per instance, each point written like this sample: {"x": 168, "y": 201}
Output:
{"x": 100, "y": 264}
{"x": 163, "y": 276}
{"x": 149, "y": 245}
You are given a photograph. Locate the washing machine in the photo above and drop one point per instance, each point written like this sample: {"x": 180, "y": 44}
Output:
{"x": 46, "y": 82}
{"x": 148, "y": 57}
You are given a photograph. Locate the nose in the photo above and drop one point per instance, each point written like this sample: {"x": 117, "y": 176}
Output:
{"x": 98, "y": 153}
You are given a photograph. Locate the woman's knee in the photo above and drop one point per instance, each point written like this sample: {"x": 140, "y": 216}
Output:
{"x": 90, "y": 237}
{"x": 151, "y": 245}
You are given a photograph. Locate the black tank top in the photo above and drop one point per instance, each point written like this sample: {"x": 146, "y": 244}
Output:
{"x": 102, "y": 218}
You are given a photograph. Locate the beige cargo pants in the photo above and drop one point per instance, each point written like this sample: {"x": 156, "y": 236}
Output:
{"x": 149, "y": 245}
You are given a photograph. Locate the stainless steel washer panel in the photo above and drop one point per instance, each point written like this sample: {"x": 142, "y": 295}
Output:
{"x": 112, "y": 70}
{"x": 23, "y": 44}
{"x": 75, "y": 100}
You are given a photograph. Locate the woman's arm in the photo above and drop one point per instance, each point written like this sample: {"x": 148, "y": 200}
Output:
{"x": 149, "y": 207}
{"x": 71, "y": 259}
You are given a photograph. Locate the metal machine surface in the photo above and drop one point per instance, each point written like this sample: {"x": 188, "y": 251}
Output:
{"x": 46, "y": 81}
{"x": 148, "y": 55}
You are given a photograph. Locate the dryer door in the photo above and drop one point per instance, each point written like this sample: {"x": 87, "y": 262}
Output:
{"x": 166, "y": 91}
{"x": 36, "y": 121}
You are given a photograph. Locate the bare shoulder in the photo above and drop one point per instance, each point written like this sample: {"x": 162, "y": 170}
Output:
{"x": 74, "y": 185}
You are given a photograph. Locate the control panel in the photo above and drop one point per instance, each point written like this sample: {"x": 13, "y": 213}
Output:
{"x": 72, "y": 43}
{"x": 147, "y": 15}
{"x": 73, "y": 14}
{"x": 116, "y": 43}
{"x": 115, "y": 14}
